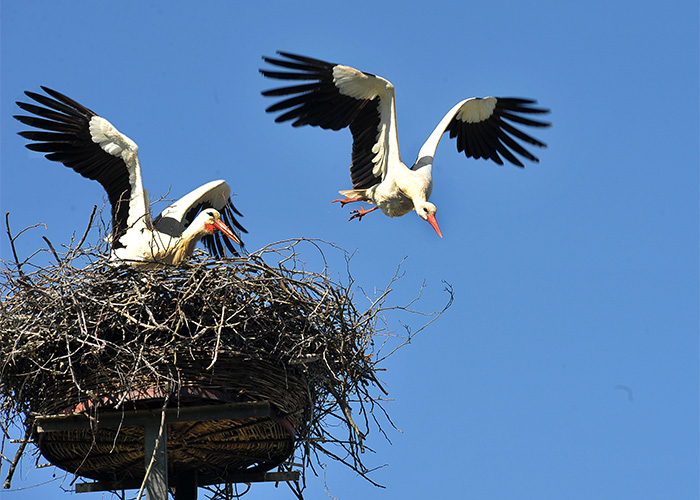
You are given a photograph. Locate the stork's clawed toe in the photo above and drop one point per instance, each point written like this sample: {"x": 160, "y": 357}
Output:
{"x": 358, "y": 214}
{"x": 346, "y": 200}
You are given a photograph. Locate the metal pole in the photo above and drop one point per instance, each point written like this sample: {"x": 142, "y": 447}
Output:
{"x": 155, "y": 436}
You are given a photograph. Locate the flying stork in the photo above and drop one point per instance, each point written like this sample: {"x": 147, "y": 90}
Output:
{"x": 72, "y": 134}
{"x": 334, "y": 96}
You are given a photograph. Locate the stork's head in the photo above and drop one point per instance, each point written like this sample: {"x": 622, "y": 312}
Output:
{"x": 426, "y": 211}
{"x": 210, "y": 220}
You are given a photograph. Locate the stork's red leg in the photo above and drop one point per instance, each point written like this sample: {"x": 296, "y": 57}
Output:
{"x": 358, "y": 214}
{"x": 346, "y": 200}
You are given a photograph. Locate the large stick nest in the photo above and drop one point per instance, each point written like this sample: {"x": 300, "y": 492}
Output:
{"x": 78, "y": 329}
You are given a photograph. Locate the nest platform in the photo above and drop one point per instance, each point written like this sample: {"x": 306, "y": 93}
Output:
{"x": 107, "y": 444}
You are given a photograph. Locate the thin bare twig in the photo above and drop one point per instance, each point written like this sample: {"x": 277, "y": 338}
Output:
{"x": 87, "y": 229}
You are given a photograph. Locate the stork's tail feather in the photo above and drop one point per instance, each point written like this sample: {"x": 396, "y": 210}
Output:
{"x": 354, "y": 193}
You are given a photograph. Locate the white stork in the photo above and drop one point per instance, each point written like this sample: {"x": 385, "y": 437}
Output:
{"x": 72, "y": 134}
{"x": 338, "y": 96}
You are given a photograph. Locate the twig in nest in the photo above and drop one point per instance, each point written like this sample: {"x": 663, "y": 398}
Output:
{"x": 218, "y": 339}
{"x": 53, "y": 250}
{"x": 87, "y": 229}
{"x": 13, "y": 238}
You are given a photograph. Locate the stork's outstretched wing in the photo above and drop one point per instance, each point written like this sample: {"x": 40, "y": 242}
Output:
{"x": 483, "y": 129}
{"x": 74, "y": 135}
{"x": 333, "y": 96}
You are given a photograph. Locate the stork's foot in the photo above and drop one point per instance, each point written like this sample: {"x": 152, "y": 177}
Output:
{"x": 358, "y": 214}
{"x": 346, "y": 200}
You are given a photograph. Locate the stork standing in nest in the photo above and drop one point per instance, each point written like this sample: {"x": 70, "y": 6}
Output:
{"x": 338, "y": 96}
{"x": 74, "y": 135}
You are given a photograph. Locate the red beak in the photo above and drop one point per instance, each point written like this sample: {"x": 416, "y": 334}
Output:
{"x": 226, "y": 230}
{"x": 433, "y": 222}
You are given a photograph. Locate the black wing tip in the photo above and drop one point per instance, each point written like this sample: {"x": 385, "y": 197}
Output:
{"x": 300, "y": 58}
{"x": 524, "y": 105}
{"x": 55, "y": 101}
{"x": 25, "y": 134}
{"x": 34, "y": 96}
{"x": 281, "y": 53}
{"x": 293, "y": 61}
{"x": 60, "y": 97}
{"x": 47, "y": 90}
{"x": 218, "y": 245}
{"x": 22, "y": 119}
{"x": 275, "y": 61}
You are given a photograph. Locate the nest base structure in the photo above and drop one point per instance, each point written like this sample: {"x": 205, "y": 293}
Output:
{"x": 169, "y": 441}
{"x": 234, "y": 421}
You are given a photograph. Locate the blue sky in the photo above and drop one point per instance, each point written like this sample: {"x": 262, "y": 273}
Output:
{"x": 573, "y": 278}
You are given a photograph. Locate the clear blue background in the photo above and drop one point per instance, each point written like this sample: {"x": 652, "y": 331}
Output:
{"x": 568, "y": 364}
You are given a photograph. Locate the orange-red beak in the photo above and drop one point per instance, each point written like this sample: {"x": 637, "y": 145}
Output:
{"x": 433, "y": 222}
{"x": 226, "y": 230}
